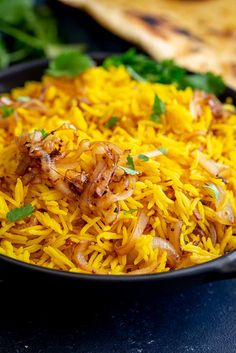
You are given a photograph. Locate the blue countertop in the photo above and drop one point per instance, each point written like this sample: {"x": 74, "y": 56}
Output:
{"x": 200, "y": 319}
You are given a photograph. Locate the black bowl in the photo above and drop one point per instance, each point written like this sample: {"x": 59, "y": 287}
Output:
{"x": 221, "y": 268}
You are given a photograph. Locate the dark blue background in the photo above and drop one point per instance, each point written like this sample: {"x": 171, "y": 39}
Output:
{"x": 200, "y": 319}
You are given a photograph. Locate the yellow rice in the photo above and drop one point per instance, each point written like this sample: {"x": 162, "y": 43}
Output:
{"x": 105, "y": 94}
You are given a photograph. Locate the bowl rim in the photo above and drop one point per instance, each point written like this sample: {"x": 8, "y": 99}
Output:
{"x": 220, "y": 267}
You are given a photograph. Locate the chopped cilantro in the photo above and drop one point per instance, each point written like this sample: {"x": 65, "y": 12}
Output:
{"x": 69, "y": 64}
{"x": 158, "y": 109}
{"x": 163, "y": 150}
{"x": 129, "y": 170}
{"x": 112, "y": 122}
{"x": 23, "y": 99}
{"x": 207, "y": 82}
{"x": 213, "y": 190}
{"x": 134, "y": 74}
{"x": 7, "y": 111}
{"x": 143, "y": 68}
{"x": 130, "y": 162}
{"x": 29, "y": 29}
{"x": 44, "y": 133}
{"x": 17, "y": 214}
{"x": 131, "y": 211}
{"x": 143, "y": 157}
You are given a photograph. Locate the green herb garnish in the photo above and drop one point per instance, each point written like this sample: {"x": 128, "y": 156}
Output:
{"x": 7, "y": 111}
{"x": 23, "y": 99}
{"x": 69, "y": 64}
{"x": 4, "y": 56}
{"x": 207, "y": 82}
{"x": 143, "y": 157}
{"x": 131, "y": 211}
{"x": 130, "y": 162}
{"x": 129, "y": 170}
{"x": 16, "y": 214}
{"x": 163, "y": 150}
{"x": 44, "y": 133}
{"x": 158, "y": 109}
{"x": 134, "y": 74}
{"x": 147, "y": 69}
{"x": 28, "y": 29}
{"x": 143, "y": 68}
{"x": 112, "y": 122}
{"x": 213, "y": 190}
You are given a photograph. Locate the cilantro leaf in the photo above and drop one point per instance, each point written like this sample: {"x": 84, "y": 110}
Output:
{"x": 44, "y": 133}
{"x": 127, "y": 58}
{"x": 70, "y": 64}
{"x": 53, "y": 50}
{"x": 143, "y": 68}
{"x": 25, "y": 24}
{"x": 163, "y": 150}
{"x": 134, "y": 74}
{"x": 129, "y": 170}
{"x": 213, "y": 190}
{"x": 23, "y": 99}
{"x": 4, "y": 56}
{"x": 131, "y": 211}
{"x": 7, "y": 111}
{"x": 207, "y": 82}
{"x": 14, "y": 11}
{"x": 158, "y": 109}
{"x": 29, "y": 29}
{"x": 143, "y": 157}
{"x": 112, "y": 122}
{"x": 130, "y": 162}
{"x": 16, "y": 214}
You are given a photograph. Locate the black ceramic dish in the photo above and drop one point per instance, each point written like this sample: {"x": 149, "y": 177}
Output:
{"x": 222, "y": 268}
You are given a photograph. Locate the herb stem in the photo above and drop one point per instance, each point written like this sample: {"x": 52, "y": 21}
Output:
{"x": 19, "y": 54}
{"x": 21, "y": 36}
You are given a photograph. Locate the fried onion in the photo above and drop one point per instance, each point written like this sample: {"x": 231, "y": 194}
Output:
{"x": 98, "y": 188}
{"x": 164, "y": 245}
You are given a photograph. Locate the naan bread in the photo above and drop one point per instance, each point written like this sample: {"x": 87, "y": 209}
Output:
{"x": 199, "y": 34}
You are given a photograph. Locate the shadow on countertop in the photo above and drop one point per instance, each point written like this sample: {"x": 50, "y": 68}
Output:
{"x": 200, "y": 319}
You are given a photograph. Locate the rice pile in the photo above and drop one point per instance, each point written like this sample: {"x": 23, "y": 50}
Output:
{"x": 188, "y": 189}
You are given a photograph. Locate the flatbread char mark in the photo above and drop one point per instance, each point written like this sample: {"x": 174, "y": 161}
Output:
{"x": 199, "y": 35}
